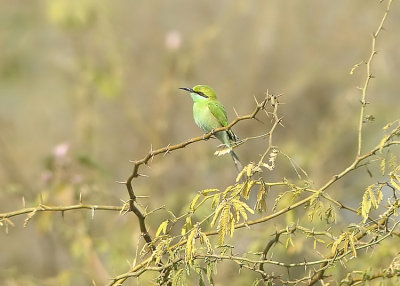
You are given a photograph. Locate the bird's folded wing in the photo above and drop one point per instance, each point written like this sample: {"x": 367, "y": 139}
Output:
{"x": 218, "y": 110}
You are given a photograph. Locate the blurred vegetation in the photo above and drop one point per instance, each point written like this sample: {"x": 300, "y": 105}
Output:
{"x": 86, "y": 86}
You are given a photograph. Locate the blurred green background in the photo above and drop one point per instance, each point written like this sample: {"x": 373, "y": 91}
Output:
{"x": 86, "y": 86}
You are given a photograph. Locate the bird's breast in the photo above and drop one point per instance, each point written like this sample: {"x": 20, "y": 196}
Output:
{"x": 204, "y": 118}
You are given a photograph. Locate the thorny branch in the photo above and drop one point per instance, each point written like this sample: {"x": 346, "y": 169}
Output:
{"x": 145, "y": 160}
{"x": 382, "y": 228}
{"x": 369, "y": 76}
{"x": 318, "y": 192}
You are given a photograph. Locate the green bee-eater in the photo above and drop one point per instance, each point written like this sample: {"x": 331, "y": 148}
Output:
{"x": 209, "y": 114}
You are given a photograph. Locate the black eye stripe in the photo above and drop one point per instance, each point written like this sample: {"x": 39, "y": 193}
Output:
{"x": 201, "y": 94}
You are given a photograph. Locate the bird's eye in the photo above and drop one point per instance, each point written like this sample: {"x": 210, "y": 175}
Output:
{"x": 201, "y": 94}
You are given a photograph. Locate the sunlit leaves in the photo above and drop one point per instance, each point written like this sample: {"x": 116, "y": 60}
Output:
{"x": 383, "y": 166}
{"x": 194, "y": 201}
{"x": 228, "y": 213}
{"x": 395, "y": 180}
{"x": 162, "y": 228}
{"x": 179, "y": 277}
{"x": 249, "y": 170}
{"x": 372, "y": 197}
{"x": 348, "y": 242}
{"x": 190, "y": 244}
{"x": 247, "y": 188}
{"x": 261, "y": 204}
{"x": 187, "y": 226}
{"x": 190, "y": 250}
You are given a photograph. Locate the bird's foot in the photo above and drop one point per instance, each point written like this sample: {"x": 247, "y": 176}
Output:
{"x": 212, "y": 133}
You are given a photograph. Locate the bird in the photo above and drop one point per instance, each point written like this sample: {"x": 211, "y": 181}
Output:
{"x": 209, "y": 114}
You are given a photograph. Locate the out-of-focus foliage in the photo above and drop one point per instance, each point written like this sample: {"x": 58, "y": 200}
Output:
{"x": 86, "y": 86}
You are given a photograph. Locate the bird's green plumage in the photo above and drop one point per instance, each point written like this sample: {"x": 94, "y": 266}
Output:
{"x": 209, "y": 114}
{"x": 218, "y": 111}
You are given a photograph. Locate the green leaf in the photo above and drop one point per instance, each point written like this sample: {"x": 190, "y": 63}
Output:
{"x": 218, "y": 211}
{"x": 383, "y": 166}
{"x": 162, "y": 227}
{"x": 366, "y": 203}
{"x": 190, "y": 245}
{"x": 372, "y": 198}
{"x": 225, "y": 223}
{"x": 207, "y": 191}
{"x": 247, "y": 189}
{"x": 194, "y": 201}
{"x": 393, "y": 180}
{"x": 188, "y": 224}
{"x": 216, "y": 200}
{"x": 352, "y": 242}
{"x": 383, "y": 142}
{"x": 179, "y": 278}
{"x": 204, "y": 240}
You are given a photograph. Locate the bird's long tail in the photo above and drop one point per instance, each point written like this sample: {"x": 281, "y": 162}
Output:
{"x": 235, "y": 158}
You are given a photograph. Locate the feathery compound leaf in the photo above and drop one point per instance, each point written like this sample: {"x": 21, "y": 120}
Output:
{"x": 371, "y": 195}
{"x": 383, "y": 142}
{"x": 240, "y": 175}
{"x": 261, "y": 204}
{"x": 227, "y": 219}
{"x": 194, "y": 201}
{"x": 235, "y": 190}
{"x": 211, "y": 269}
{"x": 249, "y": 169}
{"x": 366, "y": 203}
{"x": 394, "y": 179}
{"x": 179, "y": 278}
{"x": 207, "y": 191}
{"x": 247, "y": 188}
{"x": 392, "y": 161}
{"x": 335, "y": 245}
{"x": 226, "y": 193}
{"x": 188, "y": 224}
{"x": 383, "y": 166}
{"x": 243, "y": 205}
{"x": 231, "y": 225}
{"x": 159, "y": 251}
{"x": 370, "y": 200}
{"x": 205, "y": 241}
{"x": 225, "y": 223}
{"x": 352, "y": 242}
{"x": 216, "y": 200}
{"x": 217, "y": 214}
{"x": 190, "y": 245}
{"x": 162, "y": 228}
{"x": 238, "y": 209}
{"x": 379, "y": 194}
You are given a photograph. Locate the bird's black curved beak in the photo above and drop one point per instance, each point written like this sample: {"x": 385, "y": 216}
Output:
{"x": 187, "y": 89}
